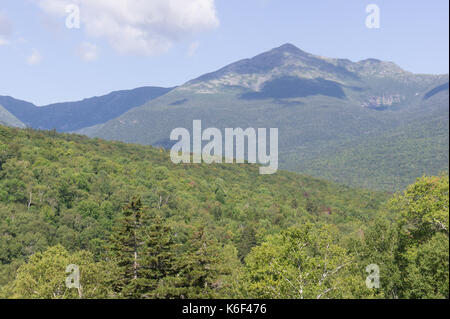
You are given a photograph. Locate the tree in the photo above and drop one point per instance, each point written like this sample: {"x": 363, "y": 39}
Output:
{"x": 379, "y": 246}
{"x": 144, "y": 252}
{"x": 159, "y": 258}
{"x": 302, "y": 262}
{"x": 246, "y": 242}
{"x": 428, "y": 269}
{"x": 198, "y": 268}
{"x": 44, "y": 276}
{"x": 424, "y": 208}
{"x": 423, "y": 237}
{"x": 126, "y": 246}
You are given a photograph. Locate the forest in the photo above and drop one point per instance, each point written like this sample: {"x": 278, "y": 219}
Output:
{"x": 139, "y": 226}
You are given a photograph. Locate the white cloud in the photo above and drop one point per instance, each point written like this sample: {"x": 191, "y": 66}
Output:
{"x": 193, "y": 48}
{"x": 140, "y": 26}
{"x": 88, "y": 52}
{"x": 5, "y": 28}
{"x": 35, "y": 58}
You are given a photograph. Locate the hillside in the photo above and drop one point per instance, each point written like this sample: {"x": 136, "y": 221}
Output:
{"x": 323, "y": 108}
{"x": 68, "y": 190}
{"x": 355, "y": 123}
{"x": 415, "y": 148}
{"x": 204, "y": 231}
{"x": 71, "y": 116}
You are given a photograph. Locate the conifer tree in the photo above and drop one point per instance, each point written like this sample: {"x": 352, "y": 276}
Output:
{"x": 126, "y": 246}
{"x": 144, "y": 252}
{"x": 159, "y": 259}
{"x": 247, "y": 242}
{"x": 198, "y": 267}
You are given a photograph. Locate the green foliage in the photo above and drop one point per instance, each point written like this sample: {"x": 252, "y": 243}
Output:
{"x": 204, "y": 231}
{"x": 127, "y": 247}
{"x": 424, "y": 208}
{"x": 199, "y": 269}
{"x": 390, "y": 160}
{"x": 412, "y": 252}
{"x": 246, "y": 242}
{"x": 44, "y": 276}
{"x": 423, "y": 237}
{"x": 305, "y": 262}
{"x": 427, "y": 269}
{"x": 325, "y": 131}
{"x": 379, "y": 246}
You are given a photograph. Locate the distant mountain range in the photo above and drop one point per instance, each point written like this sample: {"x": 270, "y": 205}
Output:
{"x": 71, "y": 116}
{"x": 367, "y": 123}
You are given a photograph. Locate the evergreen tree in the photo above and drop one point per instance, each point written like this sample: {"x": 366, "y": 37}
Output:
{"x": 127, "y": 245}
{"x": 144, "y": 252}
{"x": 198, "y": 271}
{"x": 159, "y": 259}
{"x": 246, "y": 242}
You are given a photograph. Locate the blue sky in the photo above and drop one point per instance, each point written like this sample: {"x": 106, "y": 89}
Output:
{"x": 130, "y": 43}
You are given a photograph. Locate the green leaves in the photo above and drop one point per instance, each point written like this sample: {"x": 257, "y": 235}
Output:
{"x": 201, "y": 221}
{"x": 304, "y": 262}
{"x": 413, "y": 252}
{"x": 44, "y": 276}
{"x": 423, "y": 234}
{"x": 424, "y": 208}
{"x": 427, "y": 269}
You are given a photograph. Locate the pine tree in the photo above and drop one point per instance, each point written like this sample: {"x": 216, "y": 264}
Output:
{"x": 159, "y": 260}
{"x": 126, "y": 246}
{"x": 246, "y": 242}
{"x": 198, "y": 268}
{"x": 144, "y": 251}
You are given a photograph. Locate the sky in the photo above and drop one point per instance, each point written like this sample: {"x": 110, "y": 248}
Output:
{"x": 47, "y": 57}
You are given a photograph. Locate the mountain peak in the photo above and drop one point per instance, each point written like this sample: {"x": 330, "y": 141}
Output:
{"x": 289, "y": 60}
{"x": 288, "y": 47}
{"x": 262, "y": 63}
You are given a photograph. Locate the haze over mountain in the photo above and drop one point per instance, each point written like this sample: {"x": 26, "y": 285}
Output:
{"x": 367, "y": 124}
{"x": 71, "y": 116}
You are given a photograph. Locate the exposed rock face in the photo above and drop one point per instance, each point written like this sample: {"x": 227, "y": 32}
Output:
{"x": 288, "y": 60}
{"x": 383, "y": 101}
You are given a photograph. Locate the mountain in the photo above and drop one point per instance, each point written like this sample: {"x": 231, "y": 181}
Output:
{"x": 216, "y": 231}
{"x": 68, "y": 189}
{"x": 331, "y": 114}
{"x": 71, "y": 116}
{"x": 8, "y": 119}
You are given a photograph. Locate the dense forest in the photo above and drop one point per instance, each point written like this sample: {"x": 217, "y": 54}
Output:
{"x": 139, "y": 226}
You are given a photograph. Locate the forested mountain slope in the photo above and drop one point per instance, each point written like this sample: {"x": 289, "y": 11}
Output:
{"x": 415, "y": 148}
{"x": 355, "y": 123}
{"x": 139, "y": 226}
{"x": 68, "y": 189}
{"x": 71, "y": 116}
{"x": 323, "y": 108}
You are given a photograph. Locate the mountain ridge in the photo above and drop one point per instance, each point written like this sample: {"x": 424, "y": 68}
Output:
{"x": 323, "y": 107}
{"x": 71, "y": 116}
{"x": 319, "y": 105}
